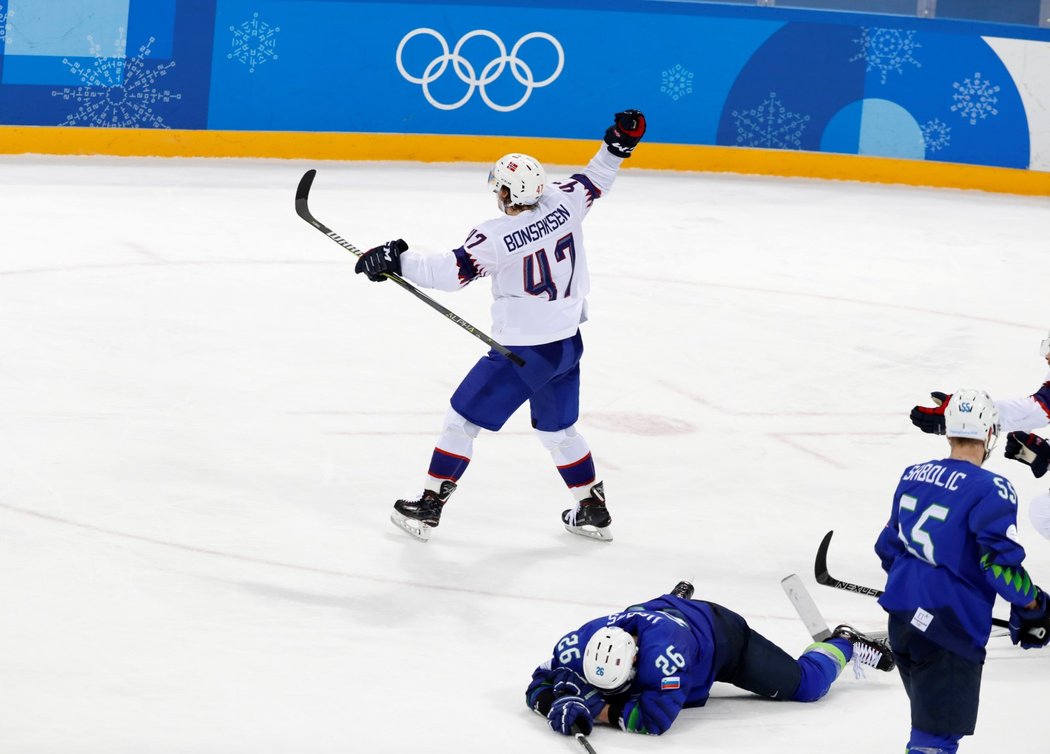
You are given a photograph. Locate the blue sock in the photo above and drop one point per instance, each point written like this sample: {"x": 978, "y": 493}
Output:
{"x": 821, "y": 664}
{"x": 932, "y": 743}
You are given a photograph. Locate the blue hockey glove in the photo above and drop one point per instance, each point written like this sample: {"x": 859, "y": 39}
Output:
{"x": 1028, "y": 448}
{"x": 567, "y": 682}
{"x": 385, "y": 258}
{"x": 625, "y": 133}
{"x": 568, "y": 712}
{"x": 1030, "y": 628}
{"x": 540, "y": 693}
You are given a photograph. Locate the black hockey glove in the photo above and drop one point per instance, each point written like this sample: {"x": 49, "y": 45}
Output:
{"x": 385, "y": 258}
{"x": 1028, "y": 448}
{"x": 1030, "y": 628}
{"x": 931, "y": 420}
{"x": 623, "y": 135}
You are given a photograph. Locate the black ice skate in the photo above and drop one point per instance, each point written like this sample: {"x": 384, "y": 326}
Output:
{"x": 418, "y": 517}
{"x": 867, "y": 651}
{"x": 683, "y": 589}
{"x": 589, "y": 517}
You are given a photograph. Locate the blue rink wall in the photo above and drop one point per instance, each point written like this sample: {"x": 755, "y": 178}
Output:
{"x": 443, "y": 80}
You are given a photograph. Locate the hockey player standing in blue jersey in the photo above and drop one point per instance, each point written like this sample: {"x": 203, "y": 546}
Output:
{"x": 1015, "y": 416}
{"x": 950, "y": 546}
{"x": 639, "y": 668}
{"x": 535, "y": 255}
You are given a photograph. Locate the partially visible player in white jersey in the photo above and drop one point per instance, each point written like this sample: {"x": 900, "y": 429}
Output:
{"x": 1017, "y": 415}
{"x": 534, "y": 254}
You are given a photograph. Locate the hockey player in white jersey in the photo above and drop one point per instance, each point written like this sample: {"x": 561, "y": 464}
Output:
{"x": 1016, "y": 416}
{"x": 534, "y": 254}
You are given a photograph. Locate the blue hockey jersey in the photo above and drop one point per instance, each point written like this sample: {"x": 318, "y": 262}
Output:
{"x": 950, "y": 545}
{"x": 676, "y": 660}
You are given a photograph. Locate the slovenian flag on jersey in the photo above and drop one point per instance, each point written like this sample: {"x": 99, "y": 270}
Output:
{"x": 670, "y": 684}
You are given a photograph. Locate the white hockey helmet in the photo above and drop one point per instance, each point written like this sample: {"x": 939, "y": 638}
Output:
{"x": 523, "y": 176}
{"x": 972, "y": 414}
{"x": 608, "y": 659}
{"x": 1044, "y": 347}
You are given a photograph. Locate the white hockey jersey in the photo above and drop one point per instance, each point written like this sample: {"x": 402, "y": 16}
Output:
{"x": 536, "y": 260}
{"x": 1027, "y": 413}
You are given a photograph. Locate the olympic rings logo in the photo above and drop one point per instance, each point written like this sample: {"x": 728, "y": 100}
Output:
{"x": 467, "y": 74}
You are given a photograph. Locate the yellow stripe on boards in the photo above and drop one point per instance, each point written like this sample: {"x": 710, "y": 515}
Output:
{"x": 128, "y": 142}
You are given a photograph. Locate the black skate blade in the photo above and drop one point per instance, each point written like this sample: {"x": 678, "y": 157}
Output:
{"x": 416, "y": 529}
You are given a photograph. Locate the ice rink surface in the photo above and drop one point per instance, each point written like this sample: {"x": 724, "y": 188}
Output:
{"x": 207, "y": 416}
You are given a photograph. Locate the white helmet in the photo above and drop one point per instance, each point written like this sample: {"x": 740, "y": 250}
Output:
{"x": 1044, "y": 347}
{"x": 972, "y": 414}
{"x": 522, "y": 175}
{"x": 608, "y": 659}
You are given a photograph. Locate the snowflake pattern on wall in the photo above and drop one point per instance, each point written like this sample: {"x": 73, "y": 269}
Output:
{"x": 253, "y": 42}
{"x": 975, "y": 98}
{"x": 886, "y": 50}
{"x": 936, "y": 135}
{"x": 3, "y": 23}
{"x": 677, "y": 82}
{"x": 770, "y": 125}
{"x": 117, "y": 91}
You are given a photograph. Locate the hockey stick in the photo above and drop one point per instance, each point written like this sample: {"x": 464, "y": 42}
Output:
{"x": 805, "y": 607}
{"x": 302, "y": 208}
{"x": 580, "y": 736}
{"x": 820, "y": 572}
{"x": 809, "y": 612}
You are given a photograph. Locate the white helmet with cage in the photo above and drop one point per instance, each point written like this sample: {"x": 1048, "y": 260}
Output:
{"x": 608, "y": 659}
{"x": 523, "y": 176}
{"x": 972, "y": 414}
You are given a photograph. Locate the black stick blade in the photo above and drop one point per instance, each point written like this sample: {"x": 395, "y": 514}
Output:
{"x": 302, "y": 195}
{"x": 820, "y": 565}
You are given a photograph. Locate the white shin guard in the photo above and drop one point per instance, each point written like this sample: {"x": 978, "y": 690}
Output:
{"x": 457, "y": 437}
{"x": 565, "y": 446}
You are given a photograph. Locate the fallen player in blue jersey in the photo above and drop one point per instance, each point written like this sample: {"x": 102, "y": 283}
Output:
{"x": 639, "y": 668}
{"x": 950, "y": 547}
